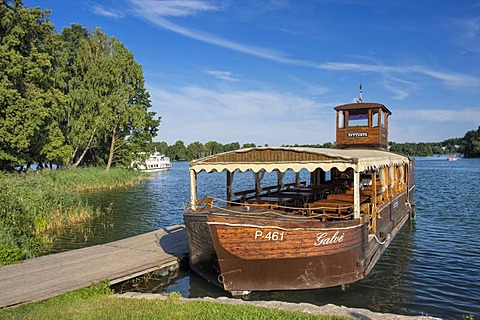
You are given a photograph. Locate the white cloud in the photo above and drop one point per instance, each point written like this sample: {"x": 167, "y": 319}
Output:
{"x": 460, "y": 115}
{"x": 197, "y": 113}
{"x": 110, "y": 13}
{"x": 194, "y": 113}
{"x": 432, "y": 125}
{"x": 452, "y": 79}
{"x": 155, "y": 11}
{"x": 400, "y": 88}
{"x": 223, "y": 75}
{"x": 211, "y": 39}
{"x": 175, "y": 8}
{"x": 466, "y": 33}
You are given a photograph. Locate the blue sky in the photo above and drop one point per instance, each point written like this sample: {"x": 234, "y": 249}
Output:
{"x": 271, "y": 71}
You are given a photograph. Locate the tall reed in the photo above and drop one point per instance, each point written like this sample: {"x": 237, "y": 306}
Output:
{"x": 92, "y": 178}
{"x": 33, "y": 203}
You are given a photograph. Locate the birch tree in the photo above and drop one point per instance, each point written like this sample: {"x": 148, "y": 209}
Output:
{"x": 128, "y": 102}
{"x": 107, "y": 112}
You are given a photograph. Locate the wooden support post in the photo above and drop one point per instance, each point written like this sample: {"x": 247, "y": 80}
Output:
{"x": 297, "y": 179}
{"x": 385, "y": 190}
{"x": 374, "y": 202}
{"x": 356, "y": 194}
{"x": 380, "y": 123}
{"x": 193, "y": 190}
{"x": 229, "y": 187}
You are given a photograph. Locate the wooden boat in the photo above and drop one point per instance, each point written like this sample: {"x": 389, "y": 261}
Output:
{"x": 328, "y": 230}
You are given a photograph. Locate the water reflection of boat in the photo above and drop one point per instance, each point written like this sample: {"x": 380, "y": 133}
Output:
{"x": 155, "y": 162}
{"x": 296, "y": 236}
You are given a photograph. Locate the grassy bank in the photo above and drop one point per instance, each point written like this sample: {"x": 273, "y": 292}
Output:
{"x": 96, "y": 303}
{"x": 33, "y": 203}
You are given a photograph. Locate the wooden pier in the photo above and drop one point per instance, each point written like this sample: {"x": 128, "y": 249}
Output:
{"x": 52, "y": 275}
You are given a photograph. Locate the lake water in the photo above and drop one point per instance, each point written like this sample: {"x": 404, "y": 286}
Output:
{"x": 432, "y": 267}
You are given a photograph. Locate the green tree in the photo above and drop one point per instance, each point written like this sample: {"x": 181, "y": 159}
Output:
{"x": 178, "y": 151}
{"x": 195, "y": 150}
{"x": 71, "y": 74}
{"x": 161, "y": 147}
{"x": 75, "y": 97}
{"x": 213, "y": 147}
{"x": 425, "y": 149}
{"x": 128, "y": 101}
{"x": 29, "y": 98}
{"x": 106, "y": 118}
{"x": 231, "y": 146}
{"x": 329, "y": 145}
{"x": 86, "y": 69}
{"x": 472, "y": 144}
{"x": 141, "y": 140}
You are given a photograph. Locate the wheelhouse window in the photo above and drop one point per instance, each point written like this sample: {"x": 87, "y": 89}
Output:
{"x": 341, "y": 119}
{"x": 376, "y": 114}
{"x": 358, "y": 118}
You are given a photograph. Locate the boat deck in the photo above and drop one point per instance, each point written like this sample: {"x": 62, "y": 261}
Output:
{"x": 289, "y": 204}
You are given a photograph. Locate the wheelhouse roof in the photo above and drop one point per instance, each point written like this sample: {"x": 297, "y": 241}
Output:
{"x": 297, "y": 158}
{"x": 362, "y": 105}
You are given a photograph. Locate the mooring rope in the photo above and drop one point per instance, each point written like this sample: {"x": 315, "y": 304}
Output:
{"x": 277, "y": 227}
{"x": 381, "y": 242}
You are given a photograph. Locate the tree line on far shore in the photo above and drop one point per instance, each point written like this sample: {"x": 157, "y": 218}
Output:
{"x": 195, "y": 150}
{"x": 469, "y": 146}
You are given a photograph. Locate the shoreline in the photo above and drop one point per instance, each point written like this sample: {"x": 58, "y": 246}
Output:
{"x": 326, "y": 310}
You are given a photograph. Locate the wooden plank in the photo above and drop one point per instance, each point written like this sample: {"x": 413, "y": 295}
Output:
{"x": 48, "y": 276}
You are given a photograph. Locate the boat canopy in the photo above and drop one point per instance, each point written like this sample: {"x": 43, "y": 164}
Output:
{"x": 297, "y": 158}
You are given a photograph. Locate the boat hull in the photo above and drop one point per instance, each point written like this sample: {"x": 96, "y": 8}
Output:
{"x": 286, "y": 256}
{"x": 155, "y": 169}
{"x": 250, "y": 253}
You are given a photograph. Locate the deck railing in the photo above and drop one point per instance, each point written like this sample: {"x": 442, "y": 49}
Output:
{"x": 244, "y": 195}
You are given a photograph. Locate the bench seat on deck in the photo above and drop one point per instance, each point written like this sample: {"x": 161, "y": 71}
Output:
{"x": 338, "y": 208}
{"x": 345, "y": 197}
{"x": 368, "y": 191}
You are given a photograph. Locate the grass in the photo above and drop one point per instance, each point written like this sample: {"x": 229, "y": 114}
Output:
{"x": 96, "y": 303}
{"x": 31, "y": 204}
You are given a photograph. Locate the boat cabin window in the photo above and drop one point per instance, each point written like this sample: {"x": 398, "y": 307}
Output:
{"x": 341, "y": 119}
{"x": 358, "y": 118}
{"x": 384, "y": 119}
{"x": 379, "y": 118}
{"x": 264, "y": 181}
{"x": 328, "y": 176}
{"x": 376, "y": 117}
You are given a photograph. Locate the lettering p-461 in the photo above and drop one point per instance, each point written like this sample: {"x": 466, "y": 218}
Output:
{"x": 271, "y": 235}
